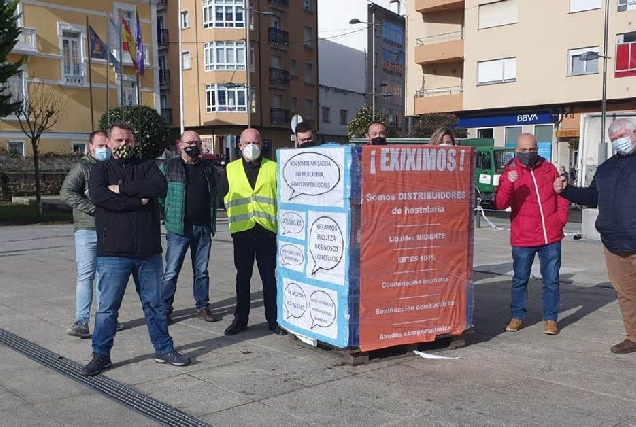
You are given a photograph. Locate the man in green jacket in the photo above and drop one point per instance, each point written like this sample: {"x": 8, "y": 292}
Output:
{"x": 190, "y": 220}
{"x": 74, "y": 192}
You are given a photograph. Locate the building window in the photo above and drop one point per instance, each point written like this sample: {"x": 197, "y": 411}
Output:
{"x": 343, "y": 117}
{"x": 512, "y": 134}
{"x": 16, "y": 147}
{"x": 130, "y": 91}
{"x": 186, "y": 60}
{"x": 307, "y": 4}
{"x": 308, "y": 37}
{"x": 224, "y": 55}
{"x": 576, "y": 66}
{"x": 79, "y": 147}
{"x": 326, "y": 115}
{"x": 16, "y": 87}
{"x": 392, "y": 62}
{"x": 393, "y": 34}
{"x": 252, "y": 59}
{"x": 223, "y": 13}
{"x": 293, "y": 67}
{"x": 581, "y": 5}
{"x": 225, "y": 98}
{"x": 485, "y": 133}
{"x": 71, "y": 47}
{"x": 277, "y": 101}
{"x": 625, "y": 55}
{"x": 309, "y": 108}
{"x": 544, "y": 133}
{"x": 498, "y": 13}
{"x": 624, "y": 5}
{"x": 185, "y": 19}
{"x": 294, "y": 104}
{"x": 309, "y": 73}
{"x": 497, "y": 71}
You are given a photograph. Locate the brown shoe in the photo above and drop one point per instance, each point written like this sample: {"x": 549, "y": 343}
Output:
{"x": 207, "y": 315}
{"x": 550, "y": 327}
{"x": 627, "y": 346}
{"x": 514, "y": 325}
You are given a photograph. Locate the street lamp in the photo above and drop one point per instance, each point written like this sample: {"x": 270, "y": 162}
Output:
{"x": 355, "y": 21}
{"x": 248, "y": 21}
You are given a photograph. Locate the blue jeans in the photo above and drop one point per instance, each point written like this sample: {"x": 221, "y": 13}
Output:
{"x": 550, "y": 259}
{"x": 199, "y": 239}
{"x": 85, "y": 255}
{"x": 112, "y": 278}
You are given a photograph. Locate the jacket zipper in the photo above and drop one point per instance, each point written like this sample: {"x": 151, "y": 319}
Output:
{"x": 536, "y": 188}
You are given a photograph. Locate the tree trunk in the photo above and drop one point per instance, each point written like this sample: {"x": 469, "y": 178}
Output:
{"x": 36, "y": 166}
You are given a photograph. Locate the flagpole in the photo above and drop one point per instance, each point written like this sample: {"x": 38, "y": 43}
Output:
{"x": 90, "y": 74}
{"x": 108, "y": 24}
{"x": 121, "y": 68}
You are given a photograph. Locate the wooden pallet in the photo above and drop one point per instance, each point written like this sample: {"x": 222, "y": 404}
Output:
{"x": 355, "y": 357}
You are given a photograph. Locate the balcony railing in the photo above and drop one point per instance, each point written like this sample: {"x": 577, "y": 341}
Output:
{"x": 163, "y": 36}
{"x": 164, "y": 77}
{"x": 279, "y": 116}
{"x": 166, "y": 113}
{"x": 278, "y": 37}
{"x": 27, "y": 41}
{"x": 440, "y": 38}
{"x": 282, "y": 3}
{"x": 278, "y": 77}
{"x": 439, "y": 91}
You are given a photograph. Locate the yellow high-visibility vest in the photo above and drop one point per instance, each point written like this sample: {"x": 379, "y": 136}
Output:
{"x": 247, "y": 206}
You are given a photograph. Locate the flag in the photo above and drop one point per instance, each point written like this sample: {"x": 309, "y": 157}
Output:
{"x": 99, "y": 50}
{"x": 140, "y": 47}
{"x": 128, "y": 41}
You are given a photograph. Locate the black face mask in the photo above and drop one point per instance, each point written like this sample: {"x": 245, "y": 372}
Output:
{"x": 192, "y": 151}
{"x": 528, "y": 159}
{"x": 307, "y": 144}
{"x": 378, "y": 141}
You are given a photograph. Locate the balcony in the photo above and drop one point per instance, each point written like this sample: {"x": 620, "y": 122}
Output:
{"x": 439, "y": 100}
{"x": 163, "y": 37}
{"x": 448, "y": 47}
{"x": 278, "y": 77}
{"x": 279, "y": 116}
{"x": 164, "y": 77}
{"x": 278, "y": 38}
{"x": 27, "y": 42}
{"x": 162, "y": 4}
{"x": 279, "y": 3}
{"x": 166, "y": 113}
{"x": 434, "y": 6}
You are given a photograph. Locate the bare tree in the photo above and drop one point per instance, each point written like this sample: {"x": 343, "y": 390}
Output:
{"x": 39, "y": 112}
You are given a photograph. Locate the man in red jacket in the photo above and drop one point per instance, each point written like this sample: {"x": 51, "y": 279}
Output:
{"x": 537, "y": 220}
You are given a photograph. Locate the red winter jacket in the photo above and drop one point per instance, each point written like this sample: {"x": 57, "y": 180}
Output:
{"x": 538, "y": 213}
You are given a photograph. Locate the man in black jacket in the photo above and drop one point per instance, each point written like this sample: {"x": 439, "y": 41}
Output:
{"x": 124, "y": 191}
{"x": 613, "y": 190}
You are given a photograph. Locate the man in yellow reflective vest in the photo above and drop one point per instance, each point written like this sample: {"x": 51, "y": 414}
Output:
{"x": 250, "y": 201}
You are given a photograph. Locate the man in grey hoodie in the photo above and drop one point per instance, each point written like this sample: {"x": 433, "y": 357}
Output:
{"x": 74, "y": 192}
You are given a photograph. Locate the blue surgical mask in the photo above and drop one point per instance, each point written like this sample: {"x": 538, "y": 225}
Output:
{"x": 623, "y": 145}
{"x": 103, "y": 153}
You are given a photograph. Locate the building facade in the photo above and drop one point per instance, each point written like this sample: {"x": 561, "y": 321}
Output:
{"x": 513, "y": 66}
{"x": 55, "y": 44}
{"x": 360, "y": 62}
{"x": 279, "y": 65}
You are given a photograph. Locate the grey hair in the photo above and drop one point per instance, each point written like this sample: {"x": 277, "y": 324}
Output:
{"x": 622, "y": 123}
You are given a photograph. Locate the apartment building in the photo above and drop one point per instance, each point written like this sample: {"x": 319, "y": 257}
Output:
{"x": 55, "y": 43}
{"x": 360, "y": 63}
{"x": 513, "y": 66}
{"x": 228, "y": 83}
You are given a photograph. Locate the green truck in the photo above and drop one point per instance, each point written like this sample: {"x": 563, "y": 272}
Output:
{"x": 490, "y": 162}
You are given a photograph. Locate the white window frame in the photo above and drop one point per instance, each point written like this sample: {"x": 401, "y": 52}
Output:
{"x": 212, "y": 51}
{"x": 24, "y": 85}
{"x": 184, "y": 18}
{"x": 507, "y": 64}
{"x": 73, "y": 79}
{"x": 577, "y": 52}
{"x": 130, "y": 95}
{"x": 128, "y": 10}
{"x": 186, "y": 60}
{"x": 209, "y": 13}
{"x": 584, "y": 5}
{"x": 626, "y": 5}
{"x": 77, "y": 144}
{"x": 487, "y": 6}
{"x": 9, "y": 142}
{"x": 213, "y": 90}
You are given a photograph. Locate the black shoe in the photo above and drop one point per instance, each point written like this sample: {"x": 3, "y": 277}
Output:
{"x": 235, "y": 328}
{"x": 99, "y": 363}
{"x": 173, "y": 358}
{"x": 275, "y": 328}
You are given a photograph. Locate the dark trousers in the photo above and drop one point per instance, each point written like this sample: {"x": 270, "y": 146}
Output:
{"x": 248, "y": 245}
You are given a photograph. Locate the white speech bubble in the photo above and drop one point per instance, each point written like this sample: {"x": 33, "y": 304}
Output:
{"x": 295, "y": 301}
{"x": 322, "y": 309}
{"x": 292, "y": 223}
{"x": 326, "y": 244}
{"x": 311, "y": 173}
{"x": 291, "y": 255}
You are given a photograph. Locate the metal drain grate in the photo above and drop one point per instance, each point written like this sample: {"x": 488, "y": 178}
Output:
{"x": 148, "y": 406}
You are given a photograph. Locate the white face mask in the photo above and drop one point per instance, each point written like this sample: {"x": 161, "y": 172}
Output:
{"x": 251, "y": 152}
{"x": 623, "y": 145}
